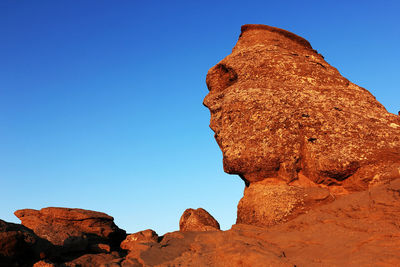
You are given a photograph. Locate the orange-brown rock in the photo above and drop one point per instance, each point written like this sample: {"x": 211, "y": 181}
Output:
{"x": 19, "y": 246}
{"x": 319, "y": 156}
{"x": 266, "y": 203}
{"x": 358, "y": 229}
{"x": 197, "y": 220}
{"x": 136, "y": 243}
{"x": 281, "y": 113}
{"x": 72, "y": 229}
{"x": 101, "y": 260}
{"x": 100, "y": 248}
{"x": 146, "y": 236}
{"x": 279, "y": 109}
{"x": 44, "y": 263}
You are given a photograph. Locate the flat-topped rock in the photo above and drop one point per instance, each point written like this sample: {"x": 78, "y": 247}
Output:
{"x": 279, "y": 109}
{"x": 72, "y": 229}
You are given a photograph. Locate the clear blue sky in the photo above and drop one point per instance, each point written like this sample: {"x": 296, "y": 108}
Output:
{"x": 101, "y": 101}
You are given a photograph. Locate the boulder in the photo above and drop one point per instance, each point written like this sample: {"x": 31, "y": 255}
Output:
{"x": 101, "y": 260}
{"x": 20, "y": 246}
{"x": 136, "y": 243}
{"x": 357, "y": 229}
{"x": 278, "y": 109}
{"x": 73, "y": 230}
{"x": 44, "y": 263}
{"x": 197, "y": 220}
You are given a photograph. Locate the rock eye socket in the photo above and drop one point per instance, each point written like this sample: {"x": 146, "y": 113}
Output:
{"x": 221, "y": 77}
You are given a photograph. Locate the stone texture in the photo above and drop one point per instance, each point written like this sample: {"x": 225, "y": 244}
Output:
{"x": 72, "y": 229}
{"x": 146, "y": 236}
{"x": 281, "y": 113}
{"x": 266, "y": 203}
{"x": 197, "y": 220}
{"x": 278, "y": 109}
{"x": 319, "y": 156}
{"x": 20, "y": 246}
{"x": 44, "y": 263}
{"x": 101, "y": 260}
{"x": 136, "y": 243}
{"x": 358, "y": 229}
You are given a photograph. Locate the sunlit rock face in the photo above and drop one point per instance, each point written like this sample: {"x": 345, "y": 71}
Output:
{"x": 279, "y": 110}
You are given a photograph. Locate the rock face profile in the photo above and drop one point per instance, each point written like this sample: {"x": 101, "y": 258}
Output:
{"x": 278, "y": 109}
{"x": 319, "y": 155}
{"x": 281, "y": 113}
{"x": 197, "y": 220}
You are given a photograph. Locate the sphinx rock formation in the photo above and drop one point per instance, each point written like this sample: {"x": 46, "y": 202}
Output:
{"x": 20, "y": 246}
{"x": 319, "y": 155}
{"x": 286, "y": 120}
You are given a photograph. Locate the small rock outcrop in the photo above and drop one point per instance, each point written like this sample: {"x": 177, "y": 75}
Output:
{"x": 198, "y": 220}
{"x": 73, "y": 230}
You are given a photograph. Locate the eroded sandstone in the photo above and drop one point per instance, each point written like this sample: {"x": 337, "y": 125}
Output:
{"x": 278, "y": 109}
{"x": 197, "y": 220}
{"x": 287, "y": 121}
{"x": 319, "y": 157}
{"x": 73, "y": 230}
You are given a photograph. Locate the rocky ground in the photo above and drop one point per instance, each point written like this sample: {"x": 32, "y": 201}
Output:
{"x": 319, "y": 156}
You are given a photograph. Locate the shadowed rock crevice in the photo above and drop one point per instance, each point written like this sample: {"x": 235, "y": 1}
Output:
{"x": 222, "y": 78}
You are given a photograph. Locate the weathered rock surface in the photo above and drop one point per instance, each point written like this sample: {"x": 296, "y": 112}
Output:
{"x": 101, "y": 260}
{"x": 319, "y": 156}
{"x": 359, "y": 229}
{"x": 73, "y": 230}
{"x": 197, "y": 220}
{"x": 280, "y": 112}
{"x": 269, "y": 202}
{"x": 19, "y": 245}
{"x": 146, "y": 236}
{"x": 136, "y": 243}
{"x": 279, "y": 109}
{"x": 44, "y": 263}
